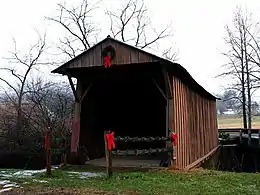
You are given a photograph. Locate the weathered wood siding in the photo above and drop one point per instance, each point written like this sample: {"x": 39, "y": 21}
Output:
{"x": 195, "y": 122}
{"x": 124, "y": 55}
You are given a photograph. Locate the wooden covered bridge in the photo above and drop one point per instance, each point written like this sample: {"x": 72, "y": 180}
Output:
{"x": 137, "y": 94}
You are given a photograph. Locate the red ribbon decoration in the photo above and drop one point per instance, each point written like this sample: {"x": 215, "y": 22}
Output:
{"x": 107, "y": 61}
{"x": 110, "y": 141}
{"x": 174, "y": 138}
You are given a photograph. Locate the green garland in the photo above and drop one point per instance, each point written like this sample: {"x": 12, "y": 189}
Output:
{"x": 142, "y": 139}
{"x": 144, "y": 152}
{"x": 109, "y": 49}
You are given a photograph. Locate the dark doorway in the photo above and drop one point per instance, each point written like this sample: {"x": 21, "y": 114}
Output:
{"x": 127, "y": 101}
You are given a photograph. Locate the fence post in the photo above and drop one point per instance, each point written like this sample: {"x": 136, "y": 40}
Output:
{"x": 65, "y": 152}
{"x": 48, "y": 140}
{"x": 108, "y": 156}
{"x": 249, "y": 136}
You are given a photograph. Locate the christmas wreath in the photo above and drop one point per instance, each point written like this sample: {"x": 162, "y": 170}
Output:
{"x": 108, "y": 55}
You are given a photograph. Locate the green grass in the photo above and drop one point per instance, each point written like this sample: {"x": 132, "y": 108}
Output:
{"x": 152, "y": 182}
{"x": 236, "y": 122}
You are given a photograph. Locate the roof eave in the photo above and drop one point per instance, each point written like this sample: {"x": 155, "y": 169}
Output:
{"x": 189, "y": 75}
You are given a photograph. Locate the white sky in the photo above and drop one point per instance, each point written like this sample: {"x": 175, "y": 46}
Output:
{"x": 198, "y": 27}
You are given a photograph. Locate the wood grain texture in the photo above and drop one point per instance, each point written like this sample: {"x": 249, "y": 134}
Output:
{"x": 124, "y": 55}
{"x": 195, "y": 122}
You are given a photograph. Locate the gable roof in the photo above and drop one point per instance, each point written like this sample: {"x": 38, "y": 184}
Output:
{"x": 125, "y": 54}
{"x": 129, "y": 55}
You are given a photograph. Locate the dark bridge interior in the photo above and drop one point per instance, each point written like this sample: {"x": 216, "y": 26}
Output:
{"x": 126, "y": 101}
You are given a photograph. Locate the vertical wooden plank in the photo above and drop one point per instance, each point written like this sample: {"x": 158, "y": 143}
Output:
{"x": 195, "y": 126}
{"x": 202, "y": 126}
{"x": 187, "y": 119}
{"x": 142, "y": 58}
{"x": 48, "y": 142}
{"x": 207, "y": 120}
{"x": 178, "y": 160}
{"x": 179, "y": 156}
{"x": 120, "y": 53}
{"x": 108, "y": 157}
{"x": 84, "y": 61}
{"x": 182, "y": 127}
{"x": 98, "y": 56}
{"x": 88, "y": 58}
{"x": 209, "y": 126}
{"x": 215, "y": 123}
{"x": 134, "y": 56}
{"x": 206, "y": 125}
{"x": 198, "y": 143}
{"x": 180, "y": 124}
{"x": 199, "y": 126}
{"x": 76, "y": 124}
{"x": 175, "y": 115}
{"x": 198, "y": 129}
{"x": 209, "y": 130}
{"x": 189, "y": 125}
{"x": 186, "y": 129}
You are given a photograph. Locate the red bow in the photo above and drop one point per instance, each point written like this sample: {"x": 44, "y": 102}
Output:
{"x": 110, "y": 140}
{"x": 107, "y": 61}
{"x": 174, "y": 138}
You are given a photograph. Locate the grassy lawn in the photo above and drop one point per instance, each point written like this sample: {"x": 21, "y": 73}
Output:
{"x": 236, "y": 122}
{"x": 137, "y": 182}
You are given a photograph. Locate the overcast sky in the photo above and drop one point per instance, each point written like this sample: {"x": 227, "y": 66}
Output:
{"x": 198, "y": 29}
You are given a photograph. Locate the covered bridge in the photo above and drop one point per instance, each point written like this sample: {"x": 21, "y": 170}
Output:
{"x": 135, "y": 93}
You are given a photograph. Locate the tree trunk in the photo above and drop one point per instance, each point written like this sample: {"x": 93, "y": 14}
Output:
{"x": 243, "y": 96}
{"x": 248, "y": 81}
{"x": 249, "y": 106}
{"x": 243, "y": 80}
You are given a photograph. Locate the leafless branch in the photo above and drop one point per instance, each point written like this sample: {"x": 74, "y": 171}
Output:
{"x": 76, "y": 21}
{"x": 133, "y": 17}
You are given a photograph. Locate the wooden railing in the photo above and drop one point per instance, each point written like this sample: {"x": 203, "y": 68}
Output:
{"x": 241, "y": 132}
{"x": 110, "y": 143}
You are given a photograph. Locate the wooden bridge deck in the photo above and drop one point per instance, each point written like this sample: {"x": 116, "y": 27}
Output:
{"x": 126, "y": 162}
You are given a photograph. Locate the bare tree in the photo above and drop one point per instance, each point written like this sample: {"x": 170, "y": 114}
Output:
{"x": 240, "y": 67}
{"x": 77, "y": 23}
{"x": 20, "y": 65}
{"x": 52, "y": 105}
{"x": 131, "y": 23}
{"x": 83, "y": 33}
{"x": 170, "y": 54}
